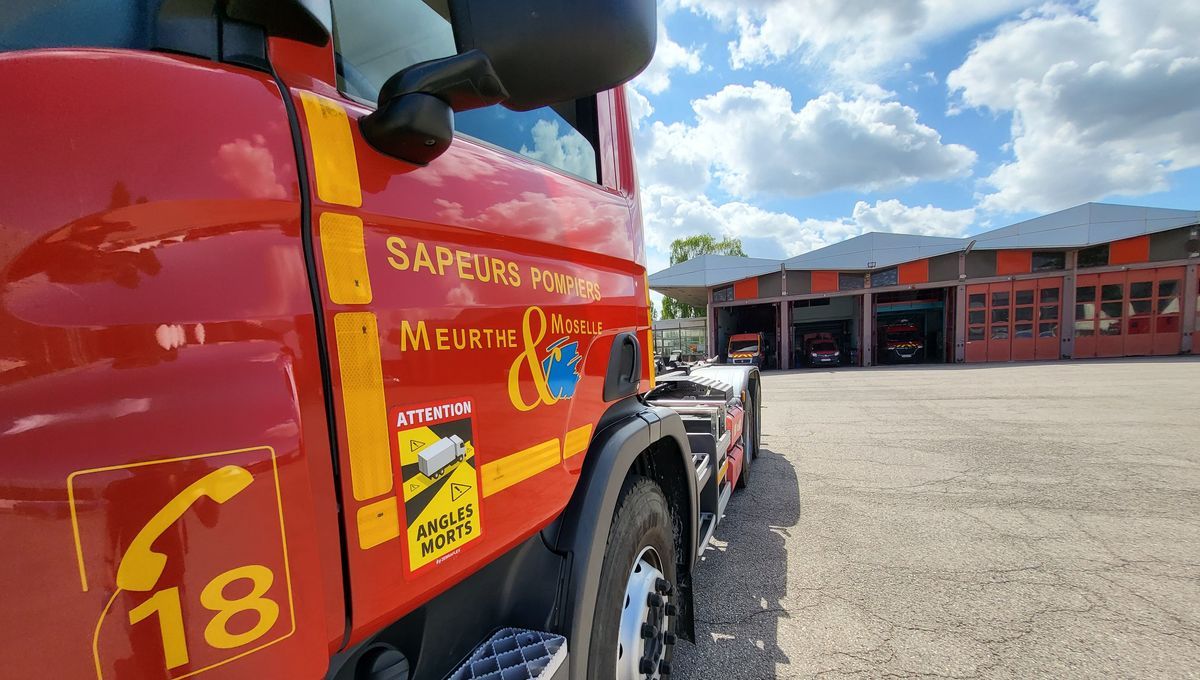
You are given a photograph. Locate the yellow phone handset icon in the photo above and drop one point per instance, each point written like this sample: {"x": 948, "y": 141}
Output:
{"x": 141, "y": 567}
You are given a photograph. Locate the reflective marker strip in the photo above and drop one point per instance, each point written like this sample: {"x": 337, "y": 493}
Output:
{"x": 378, "y": 523}
{"x": 345, "y": 256}
{"x": 650, "y": 330}
{"x": 363, "y": 405}
{"x": 498, "y": 475}
{"x": 577, "y": 440}
{"x": 334, "y": 164}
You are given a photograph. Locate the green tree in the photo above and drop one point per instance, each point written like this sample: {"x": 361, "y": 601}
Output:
{"x": 684, "y": 249}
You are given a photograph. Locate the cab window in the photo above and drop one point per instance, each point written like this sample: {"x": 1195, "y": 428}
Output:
{"x": 375, "y": 39}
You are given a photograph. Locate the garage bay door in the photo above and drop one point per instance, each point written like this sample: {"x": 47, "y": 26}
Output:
{"x": 1129, "y": 313}
{"x": 1014, "y": 320}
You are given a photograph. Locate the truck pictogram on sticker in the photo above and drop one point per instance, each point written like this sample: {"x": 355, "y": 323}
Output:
{"x": 440, "y": 482}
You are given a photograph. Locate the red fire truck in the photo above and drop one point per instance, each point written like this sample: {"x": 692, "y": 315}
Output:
{"x": 901, "y": 341}
{"x": 325, "y": 347}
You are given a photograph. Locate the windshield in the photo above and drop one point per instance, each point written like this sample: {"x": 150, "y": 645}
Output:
{"x": 744, "y": 347}
{"x": 902, "y": 336}
{"x": 824, "y": 347}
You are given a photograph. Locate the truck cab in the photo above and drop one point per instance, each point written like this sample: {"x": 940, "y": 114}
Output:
{"x": 902, "y": 341}
{"x": 325, "y": 340}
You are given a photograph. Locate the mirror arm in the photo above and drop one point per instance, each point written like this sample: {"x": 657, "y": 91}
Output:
{"x": 415, "y": 117}
{"x": 464, "y": 81}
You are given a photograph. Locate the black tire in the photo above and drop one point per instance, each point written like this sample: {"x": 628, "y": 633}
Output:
{"x": 749, "y": 442}
{"x": 642, "y": 520}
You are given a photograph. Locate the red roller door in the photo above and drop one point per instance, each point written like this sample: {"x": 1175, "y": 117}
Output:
{"x": 1134, "y": 313}
{"x": 1196, "y": 321}
{"x": 977, "y": 303}
{"x": 1014, "y": 320}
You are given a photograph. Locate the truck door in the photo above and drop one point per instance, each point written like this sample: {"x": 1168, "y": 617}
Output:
{"x": 469, "y": 306}
{"x": 166, "y": 492}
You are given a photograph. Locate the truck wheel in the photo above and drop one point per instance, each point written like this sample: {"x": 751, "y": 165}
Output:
{"x": 633, "y": 633}
{"x": 749, "y": 442}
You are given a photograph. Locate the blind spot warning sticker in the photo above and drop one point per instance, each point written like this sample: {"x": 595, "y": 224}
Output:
{"x": 439, "y": 479}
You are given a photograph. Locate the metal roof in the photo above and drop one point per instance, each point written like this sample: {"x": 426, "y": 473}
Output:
{"x": 1078, "y": 227}
{"x": 1086, "y": 225}
{"x": 689, "y": 281}
{"x": 875, "y": 250}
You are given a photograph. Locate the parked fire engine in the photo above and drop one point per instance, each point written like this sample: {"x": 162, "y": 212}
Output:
{"x": 310, "y": 366}
{"x": 901, "y": 341}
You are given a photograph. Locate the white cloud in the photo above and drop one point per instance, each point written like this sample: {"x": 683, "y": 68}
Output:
{"x": 669, "y": 215}
{"x": 752, "y": 141}
{"x": 639, "y": 107}
{"x": 571, "y": 152}
{"x": 668, "y": 56}
{"x": 853, "y": 38}
{"x": 1104, "y": 101}
{"x": 896, "y": 217}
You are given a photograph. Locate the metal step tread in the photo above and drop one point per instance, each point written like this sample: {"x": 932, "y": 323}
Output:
{"x": 515, "y": 654}
{"x": 723, "y": 498}
{"x": 708, "y": 524}
{"x": 703, "y": 468}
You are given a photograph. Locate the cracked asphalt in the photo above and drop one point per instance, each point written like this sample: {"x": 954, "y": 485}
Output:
{"x": 1000, "y": 521}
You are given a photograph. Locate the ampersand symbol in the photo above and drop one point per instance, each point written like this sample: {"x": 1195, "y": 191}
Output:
{"x": 529, "y": 358}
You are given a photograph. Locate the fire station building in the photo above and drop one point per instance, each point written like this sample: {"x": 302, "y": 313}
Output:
{"x": 1096, "y": 280}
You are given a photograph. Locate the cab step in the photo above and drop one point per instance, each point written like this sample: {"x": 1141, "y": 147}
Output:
{"x": 703, "y": 468}
{"x": 516, "y": 654}
{"x": 708, "y": 524}
{"x": 723, "y": 498}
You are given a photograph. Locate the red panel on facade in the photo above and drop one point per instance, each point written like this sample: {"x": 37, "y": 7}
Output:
{"x": 1129, "y": 313}
{"x": 977, "y": 323}
{"x": 999, "y": 331}
{"x": 746, "y": 289}
{"x": 1086, "y": 311}
{"x": 1139, "y": 310}
{"x": 1024, "y": 309}
{"x": 824, "y": 282}
{"x": 1049, "y": 317}
{"x": 1129, "y": 251}
{"x": 1014, "y": 320}
{"x": 1196, "y": 321}
{"x": 914, "y": 272}
{"x": 1168, "y": 311}
{"x": 1110, "y": 329}
{"x": 1013, "y": 262}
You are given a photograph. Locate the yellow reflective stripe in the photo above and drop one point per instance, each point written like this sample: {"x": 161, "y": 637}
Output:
{"x": 650, "y": 329}
{"x": 577, "y": 440}
{"x": 335, "y": 166}
{"x": 721, "y": 473}
{"x": 378, "y": 522}
{"x": 498, "y": 475}
{"x": 363, "y": 405}
{"x": 345, "y": 255}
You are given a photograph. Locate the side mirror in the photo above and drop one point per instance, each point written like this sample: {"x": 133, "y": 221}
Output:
{"x": 552, "y": 51}
{"x": 523, "y": 54}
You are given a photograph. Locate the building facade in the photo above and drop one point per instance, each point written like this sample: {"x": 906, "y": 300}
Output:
{"x": 686, "y": 337}
{"x": 1096, "y": 280}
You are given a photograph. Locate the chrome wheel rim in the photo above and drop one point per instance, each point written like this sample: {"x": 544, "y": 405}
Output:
{"x": 647, "y": 621}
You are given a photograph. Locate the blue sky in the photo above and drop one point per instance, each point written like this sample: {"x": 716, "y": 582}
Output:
{"x": 792, "y": 124}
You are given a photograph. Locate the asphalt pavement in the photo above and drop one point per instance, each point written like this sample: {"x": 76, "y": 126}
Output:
{"x": 1003, "y": 521}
